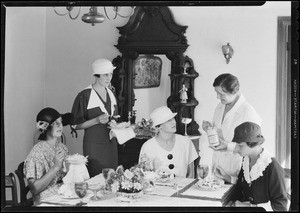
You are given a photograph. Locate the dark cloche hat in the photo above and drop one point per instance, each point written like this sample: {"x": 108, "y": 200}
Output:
{"x": 247, "y": 132}
{"x": 50, "y": 115}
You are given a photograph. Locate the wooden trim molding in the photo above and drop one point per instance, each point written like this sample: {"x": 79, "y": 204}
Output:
{"x": 283, "y": 101}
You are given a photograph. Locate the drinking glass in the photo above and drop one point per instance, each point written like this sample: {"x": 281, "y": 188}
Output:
{"x": 95, "y": 188}
{"x": 202, "y": 170}
{"x": 186, "y": 121}
{"x": 105, "y": 173}
{"x": 81, "y": 189}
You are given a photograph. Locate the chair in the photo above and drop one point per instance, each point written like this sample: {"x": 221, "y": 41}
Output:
{"x": 10, "y": 183}
{"x": 24, "y": 189}
{"x": 196, "y": 163}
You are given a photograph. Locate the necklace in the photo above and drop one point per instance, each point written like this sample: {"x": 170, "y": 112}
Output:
{"x": 53, "y": 146}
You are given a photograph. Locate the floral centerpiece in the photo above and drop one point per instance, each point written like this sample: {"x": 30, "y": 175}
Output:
{"x": 129, "y": 183}
{"x": 145, "y": 128}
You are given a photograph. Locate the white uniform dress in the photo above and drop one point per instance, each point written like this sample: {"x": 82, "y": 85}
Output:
{"x": 241, "y": 112}
{"x": 183, "y": 152}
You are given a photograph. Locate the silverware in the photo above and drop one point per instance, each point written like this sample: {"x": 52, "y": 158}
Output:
{"x": 64, "y": 204}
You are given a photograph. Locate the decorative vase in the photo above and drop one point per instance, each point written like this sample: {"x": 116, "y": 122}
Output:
{"x": 129, "y": 197}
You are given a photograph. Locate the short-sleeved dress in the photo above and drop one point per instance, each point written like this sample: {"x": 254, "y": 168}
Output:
{"x": 183, "y": 152}
{"x": 101, "y": 151}
{"x": 38, "y": 162}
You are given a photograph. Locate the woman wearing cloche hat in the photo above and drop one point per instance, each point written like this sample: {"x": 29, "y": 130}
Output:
{"x": 168, "y": 151}
{"x": 43, "y": 166}
{"x": 261, "y": 178}
{"x": 92, "y": 110}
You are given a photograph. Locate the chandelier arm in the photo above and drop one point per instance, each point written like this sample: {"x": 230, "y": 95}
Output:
{"x": 132, "y": 11}
{"x": 108, "y": 16}
{"x": 73, "y": 18}
{"x": 60, "y": 14}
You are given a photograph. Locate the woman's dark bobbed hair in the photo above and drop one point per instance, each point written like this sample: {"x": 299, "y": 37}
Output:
{"x": 48, "y": 115}
{"x": 228, "y": 82}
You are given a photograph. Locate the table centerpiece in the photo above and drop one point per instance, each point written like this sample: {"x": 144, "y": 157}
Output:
{"x": 128, "y": 184}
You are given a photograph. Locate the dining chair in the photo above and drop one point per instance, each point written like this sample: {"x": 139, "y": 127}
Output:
{"x": 24, "y": 188}
{"x": 10, "y": 183}
{"x": 196, "y": 163}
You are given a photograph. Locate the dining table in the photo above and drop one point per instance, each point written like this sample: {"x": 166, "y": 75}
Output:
{"x": 177, "y": 194}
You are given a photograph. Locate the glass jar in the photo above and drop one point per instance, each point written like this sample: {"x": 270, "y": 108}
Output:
{"x": 213, "y": 137}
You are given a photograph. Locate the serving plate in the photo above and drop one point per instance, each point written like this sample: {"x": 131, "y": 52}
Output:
{"x": 210, "y": 184}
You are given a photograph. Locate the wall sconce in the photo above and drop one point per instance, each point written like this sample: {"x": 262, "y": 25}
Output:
{"x": 93, "y": 16}
{"x": 228, "y": 52}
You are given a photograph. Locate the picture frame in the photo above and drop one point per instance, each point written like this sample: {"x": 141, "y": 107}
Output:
{"x": 147, "y": 71}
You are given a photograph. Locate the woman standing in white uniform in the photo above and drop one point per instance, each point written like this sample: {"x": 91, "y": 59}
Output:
{"x": 231, "y": 112}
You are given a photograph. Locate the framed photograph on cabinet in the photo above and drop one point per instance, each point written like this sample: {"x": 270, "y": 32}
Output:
{"x": 147, "y": 70}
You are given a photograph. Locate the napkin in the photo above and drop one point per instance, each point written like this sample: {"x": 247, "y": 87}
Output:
{"x": 77, "y": 169}
{"x": 123, "y": 135}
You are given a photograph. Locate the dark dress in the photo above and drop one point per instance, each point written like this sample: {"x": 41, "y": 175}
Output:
{"x": 269, "y": 187}
{"x": 101, "y": 151}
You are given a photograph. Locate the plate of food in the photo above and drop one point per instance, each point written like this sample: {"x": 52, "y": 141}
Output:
{"x": 210, "y": 184}
{"x": 164, "y": 176}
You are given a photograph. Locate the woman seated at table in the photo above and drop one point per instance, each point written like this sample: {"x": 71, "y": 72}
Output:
{"x": 261, "y": 178}
{"x": 43, "y": 167}
{"x": 167, "y": 150}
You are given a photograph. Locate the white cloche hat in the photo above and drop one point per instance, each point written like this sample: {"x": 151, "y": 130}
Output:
{"x": 161, "y": 115}
{"x": 102, "y": 66}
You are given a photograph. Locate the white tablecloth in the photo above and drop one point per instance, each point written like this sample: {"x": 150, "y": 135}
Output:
{"x": 163, "y": 195}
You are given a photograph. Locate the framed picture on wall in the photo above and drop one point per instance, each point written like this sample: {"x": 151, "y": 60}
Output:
{"x": 147, "y": 69}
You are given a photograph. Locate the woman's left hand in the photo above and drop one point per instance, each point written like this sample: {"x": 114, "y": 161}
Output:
{"x": 103, "y": 119}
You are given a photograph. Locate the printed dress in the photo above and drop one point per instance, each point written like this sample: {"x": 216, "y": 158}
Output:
{"x": 38, "y": 162}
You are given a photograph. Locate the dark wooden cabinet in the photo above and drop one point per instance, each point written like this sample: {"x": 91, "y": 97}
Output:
{"x": 153, "y": 30}
{"x": 128, "y": 153}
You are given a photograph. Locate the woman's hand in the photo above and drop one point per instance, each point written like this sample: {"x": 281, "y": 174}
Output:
{"x": 206, "y": 125}
{"x": 103, "y": 119}
{"x": 221, "y": 147}
{"x": 220, "y": 173}
{"x": 59, "y": 158}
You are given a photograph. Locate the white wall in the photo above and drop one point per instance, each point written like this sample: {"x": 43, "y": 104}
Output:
{"x": 252, "y": 32}
{"x": 24, "y": 83}
{"x": 48, "y": 61}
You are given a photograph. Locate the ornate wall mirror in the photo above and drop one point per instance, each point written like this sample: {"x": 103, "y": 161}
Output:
{"x": 151, "y": 34}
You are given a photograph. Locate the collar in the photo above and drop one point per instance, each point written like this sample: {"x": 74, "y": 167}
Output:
{"x": 257, "y": 169}
{"x": 236, "y": 106}
{"x": 95, "y": 101}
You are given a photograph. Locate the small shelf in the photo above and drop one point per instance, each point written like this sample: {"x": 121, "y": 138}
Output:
{"x": 188, "y": 75}
{"x": 188, "y": 104}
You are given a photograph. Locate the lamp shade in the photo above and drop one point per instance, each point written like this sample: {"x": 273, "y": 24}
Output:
{"x": 228, "y": 52}
{"x": 93, "y": 17}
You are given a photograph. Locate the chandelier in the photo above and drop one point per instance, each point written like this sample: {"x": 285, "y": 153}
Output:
{"x": 93, "y": 17}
